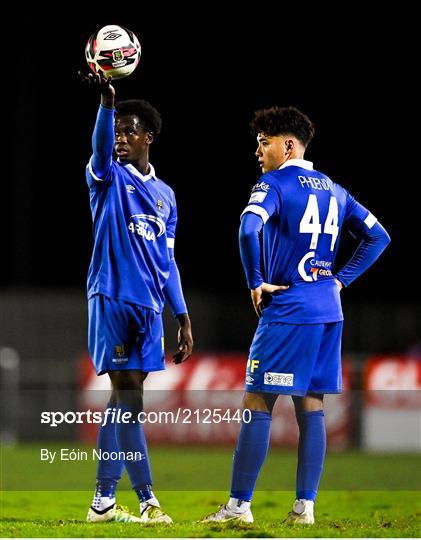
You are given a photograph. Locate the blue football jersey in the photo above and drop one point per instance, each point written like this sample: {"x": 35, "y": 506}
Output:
{"x": 303, "y": 212}
{"x": 134, "y": 221}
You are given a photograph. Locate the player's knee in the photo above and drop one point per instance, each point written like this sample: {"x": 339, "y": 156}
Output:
{"x": 127, "y": 380}
{"x": 259, "y": 402}
{"x": 309, "y": 403}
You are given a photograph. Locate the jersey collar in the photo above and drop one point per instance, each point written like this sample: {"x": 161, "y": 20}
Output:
{"x": 303, "y": 163}
{"x": 144, "y": 177}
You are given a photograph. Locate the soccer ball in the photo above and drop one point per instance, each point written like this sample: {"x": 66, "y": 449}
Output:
{"x": 113, "y": 51}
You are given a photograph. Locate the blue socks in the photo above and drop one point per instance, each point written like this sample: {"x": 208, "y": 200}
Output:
{"x": 311, "y": 453}
{"x": 252, "y": 447}
{"x": 131, "y": 438}
{"x": 109, "y": 471}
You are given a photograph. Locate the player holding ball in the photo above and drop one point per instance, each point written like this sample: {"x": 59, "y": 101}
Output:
{"x": 132, "y": 275}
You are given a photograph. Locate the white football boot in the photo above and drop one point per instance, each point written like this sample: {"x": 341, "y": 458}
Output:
{"x": 225, "y": 515}
{"x": 114, "y": 513}
{"x": 152, "y": 513}
{"x": 302, "y": 512}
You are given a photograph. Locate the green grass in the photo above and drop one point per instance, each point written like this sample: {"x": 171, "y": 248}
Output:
{"x": 209, "y": 468}
{"x": 338, "y": 514}
{"x": 361, "y": 495}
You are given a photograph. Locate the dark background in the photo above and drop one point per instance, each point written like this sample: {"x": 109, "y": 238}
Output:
{"x": 207, "y": 71}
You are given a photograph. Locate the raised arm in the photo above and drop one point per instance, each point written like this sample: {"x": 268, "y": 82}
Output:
{"x": 103, "y": 135}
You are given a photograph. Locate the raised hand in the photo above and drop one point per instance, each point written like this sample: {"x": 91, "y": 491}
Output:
{"x": 103, "y": 84}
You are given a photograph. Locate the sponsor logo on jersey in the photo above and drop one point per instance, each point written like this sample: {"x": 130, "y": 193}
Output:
{"x": 317, "y": 267}
{"x": 262, "y": 186}
{"x": 279, "y": 379}
{"x": 249, "y": 380}
{"x": 130, "y": 188}
{"x": 258, "y": 197}
{"x": 147, "y": 226}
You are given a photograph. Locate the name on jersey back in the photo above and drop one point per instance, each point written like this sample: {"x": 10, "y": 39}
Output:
{"x": 316, "y": 183}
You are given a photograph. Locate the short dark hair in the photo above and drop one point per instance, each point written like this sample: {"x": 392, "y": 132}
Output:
{"x": 148, "y": 116}
{"x": 283, "y": 121}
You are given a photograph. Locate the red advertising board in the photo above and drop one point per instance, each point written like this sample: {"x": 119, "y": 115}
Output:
{"x": 203, "y": 400}
{"x": 393, "y": 382}
{"x": 392, "y": 404}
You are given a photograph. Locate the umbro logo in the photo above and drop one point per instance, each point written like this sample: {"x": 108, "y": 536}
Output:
{"x": 130, "y": 188}
{"x": 111, "y": 35}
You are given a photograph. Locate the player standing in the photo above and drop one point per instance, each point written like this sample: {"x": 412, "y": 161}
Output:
{"x": 289, "y": 235}
{"x": 132, "y": 274}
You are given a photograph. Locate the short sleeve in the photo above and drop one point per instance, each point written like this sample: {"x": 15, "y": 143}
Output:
{"x": 264, "y": 200}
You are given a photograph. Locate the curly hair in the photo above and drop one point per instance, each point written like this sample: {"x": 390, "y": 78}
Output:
{"x": 148, "y": 116}
{"x": 283, "y": 121}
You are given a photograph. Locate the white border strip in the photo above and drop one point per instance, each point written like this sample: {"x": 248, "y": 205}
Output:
{"x": 170, "y": 242}
{"x": 92, "y": 171}
{"x": 258, "y": 210}
{"x": 370, "y": 220}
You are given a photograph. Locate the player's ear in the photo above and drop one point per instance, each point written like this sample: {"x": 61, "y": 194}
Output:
{"x": 149, "y": 137}
{"x": 289, "y": 145}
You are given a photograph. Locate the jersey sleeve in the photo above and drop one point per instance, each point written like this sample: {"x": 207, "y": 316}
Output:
{"x": 264, "y": 200}
{"x": 172, "y": 225}
{"x": 100, "y": 164}
{"x": 357, "y": 218}
{"x": 374, "y": 240}
{"x": 173, "y": 290}
{"x": 250, "y": 249}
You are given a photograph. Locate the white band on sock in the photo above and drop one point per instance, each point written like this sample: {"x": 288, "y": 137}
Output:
{"x": 101, "y": 503}
{"x": 238, "y": 506}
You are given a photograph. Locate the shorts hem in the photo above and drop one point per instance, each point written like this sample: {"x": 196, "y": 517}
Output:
{"x": 294, "y": 392}
{"x": 119, "y": 368}
{"x": 326, "y": 391}
{"x": 285, "y": 392}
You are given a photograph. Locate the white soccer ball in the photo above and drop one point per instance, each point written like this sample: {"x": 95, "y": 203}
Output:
{"x": 113, "y": 51}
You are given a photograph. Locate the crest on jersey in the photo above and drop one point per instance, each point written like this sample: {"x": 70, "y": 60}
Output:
{"x": 120, "y": 355}
{"x": 160, "y": 205}
{"x": 119, "y": 351}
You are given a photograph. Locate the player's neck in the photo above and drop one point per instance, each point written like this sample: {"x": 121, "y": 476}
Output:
{"x": 142, "y": 165}
{"x": 296, "y": 155}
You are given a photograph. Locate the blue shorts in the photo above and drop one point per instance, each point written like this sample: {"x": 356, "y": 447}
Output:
{"x": 295, "y": 359}
{"x": 124, "y": 336}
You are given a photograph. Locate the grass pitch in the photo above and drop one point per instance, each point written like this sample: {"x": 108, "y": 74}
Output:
{"x": 360, "y": 496}
{"x": 338, "y": 514}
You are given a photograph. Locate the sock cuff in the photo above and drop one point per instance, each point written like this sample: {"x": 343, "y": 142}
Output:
{"x": 260, "y": 415}
{"x": 312, "y": 413}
